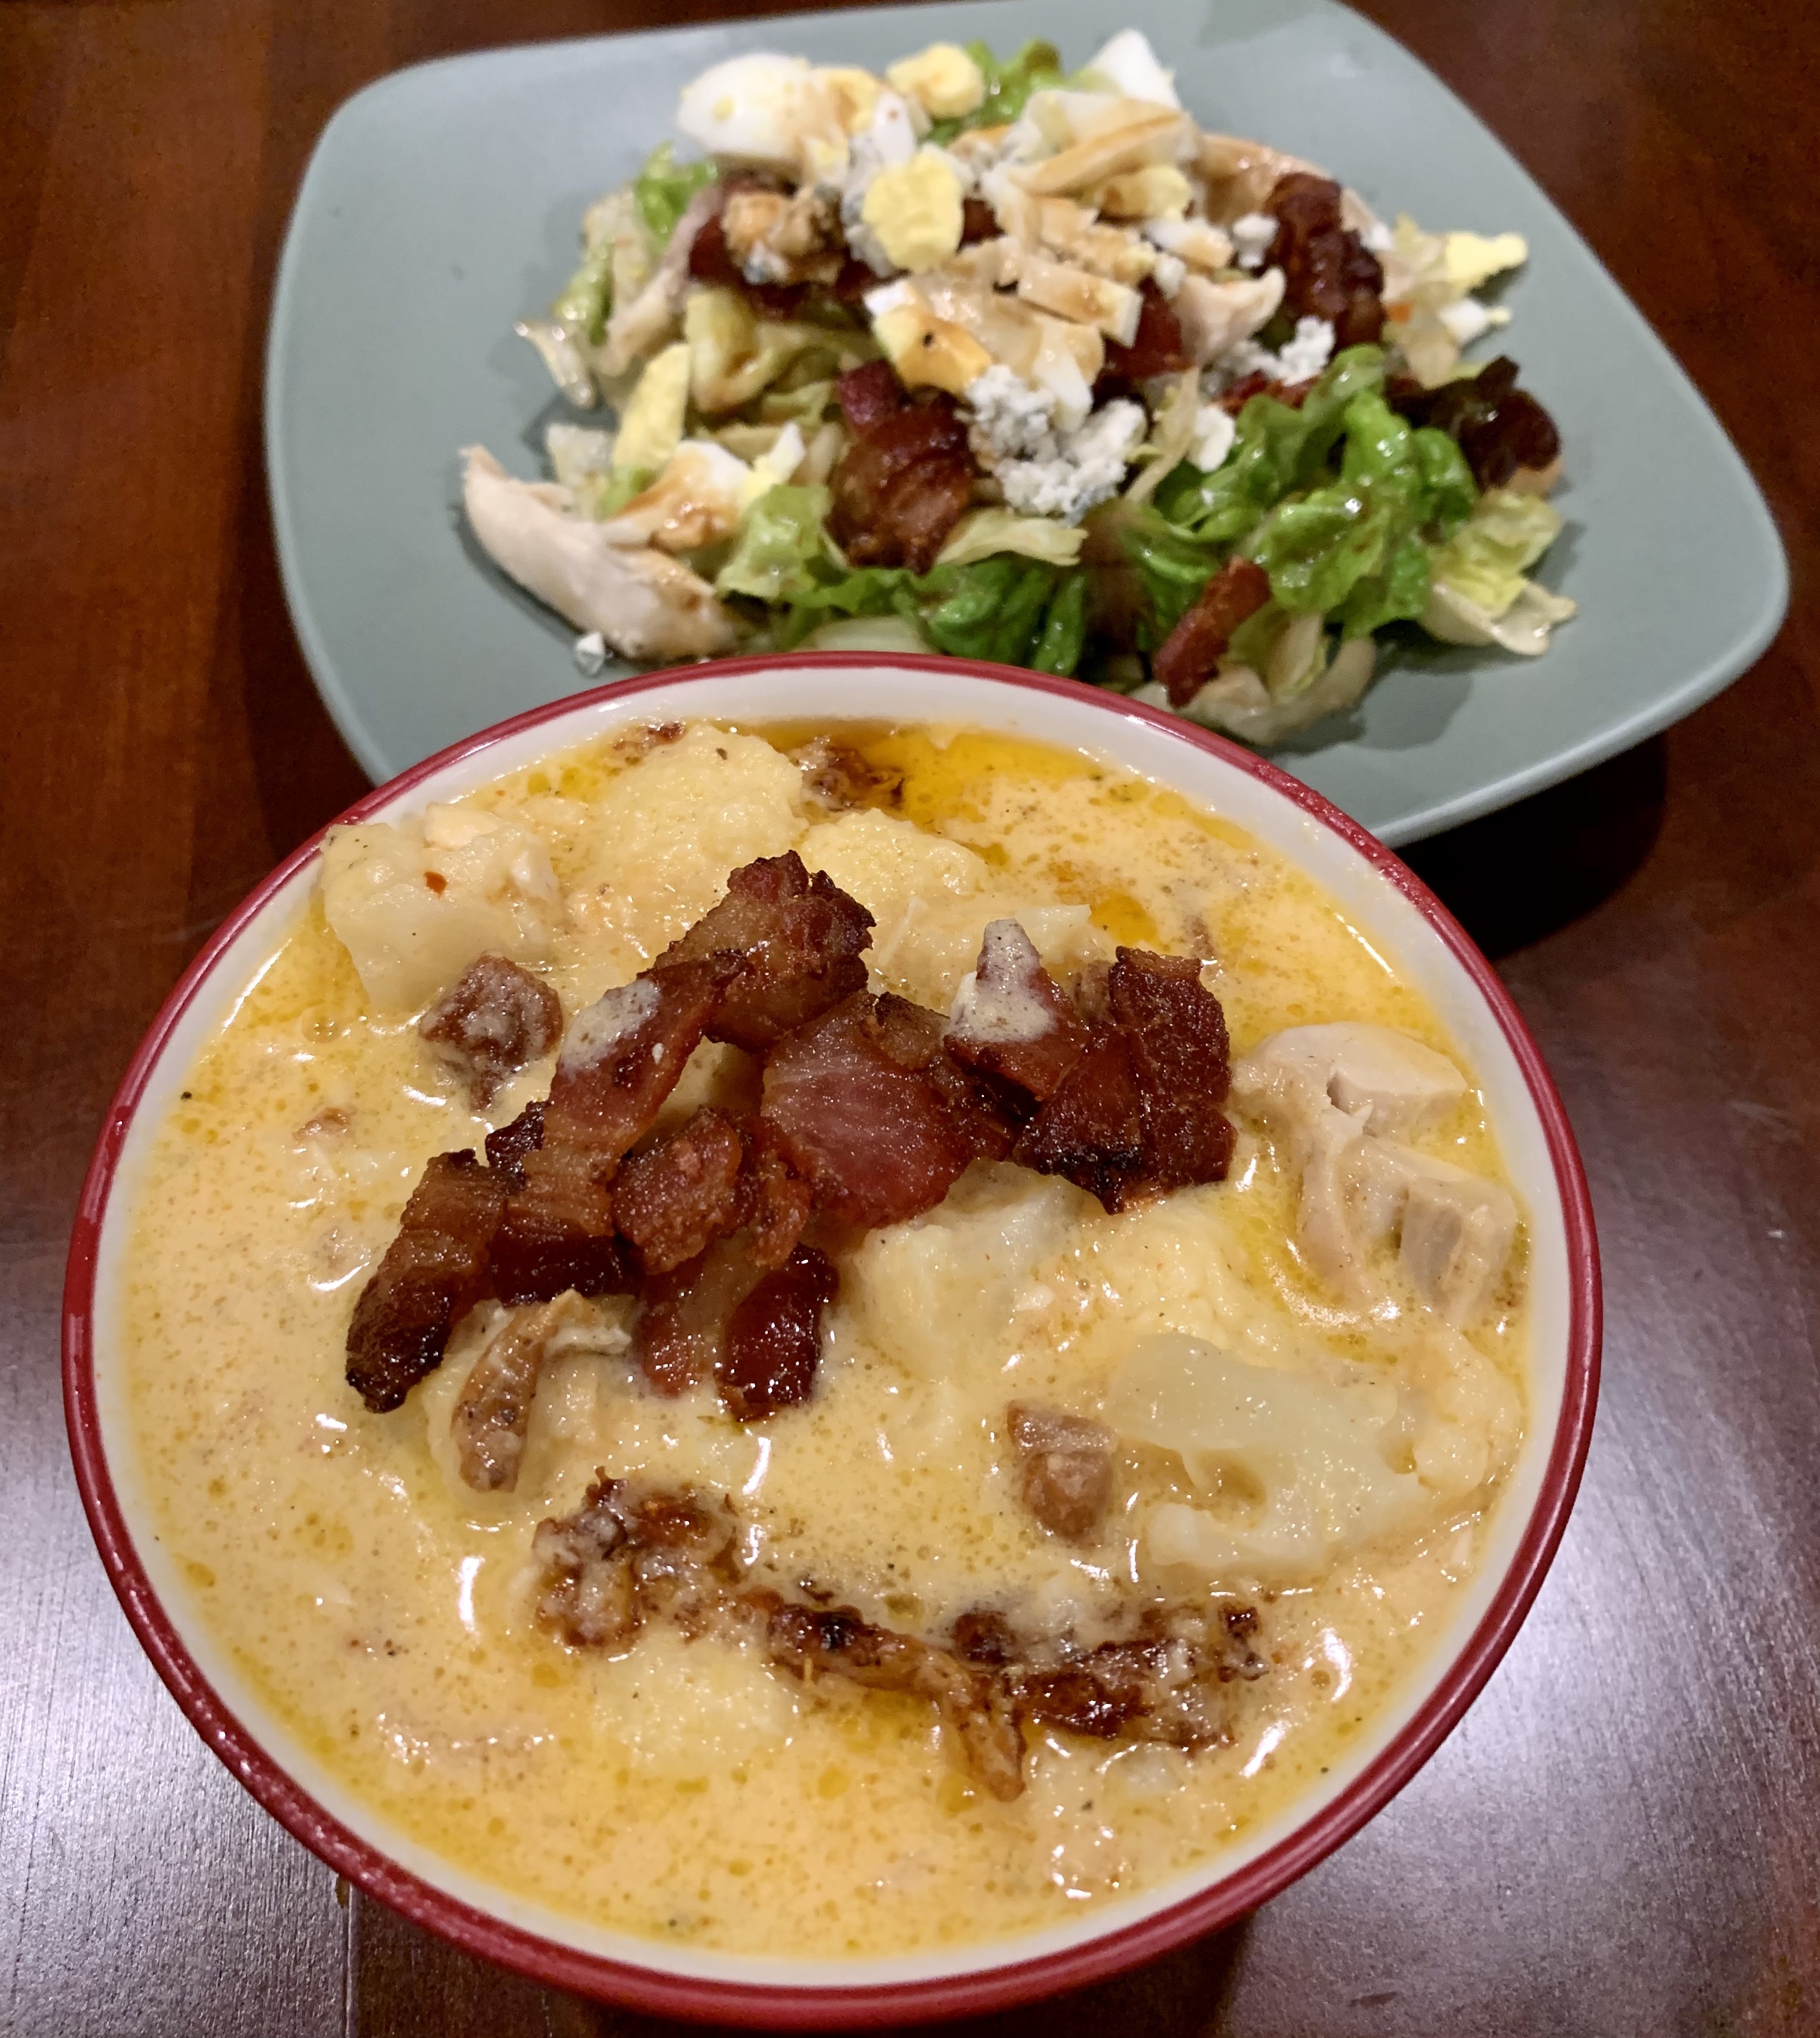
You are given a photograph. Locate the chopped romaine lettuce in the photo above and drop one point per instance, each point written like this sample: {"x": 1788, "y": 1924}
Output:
{"x": 1488, "y": 554}
{"x": 581, "y": 307}
{"x": 782, "y": 532}
{"x": 1036, "y": 67}
{"x": 663, "y": 188}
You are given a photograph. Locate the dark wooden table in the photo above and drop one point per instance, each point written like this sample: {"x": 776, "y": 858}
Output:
{"x": 1624, "y": 1835}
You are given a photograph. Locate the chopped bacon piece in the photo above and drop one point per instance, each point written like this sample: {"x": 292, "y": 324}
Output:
{"x": 681, "y": 1329}
{"x": 787, "y": 946}
{"x": 1328, "y": 271}
{"x": 1499, "y": 427}
{"x": 840, "y": 1643}
{"x": 871, "y": 1135}
{"x": 981, "y": 1119}
{"x": 1156, "y": 348}
{"x": 496, "y": 1020}
{"x": 1011, "y": 1021}
{"x": 838, "y": 777}
{"x": 1091, "y": 1130}
{"x": 711, "y": 261}
{"x": 868, "y": 395}
{"x": 1191, "y": 654}
{"x": 774, "y": 1340}
{"x": 978, "y": 221}
{"x": 1177, "y": 1034}
{"x": 433, "y": 1272}
{"x": 901, "y": 486}
{"x": 1294, "y": 395}
{"x": 558, "y": 1235}
{"x": 508, "y": 1145}
{"x": 1066, "y": 1464}
{"x": 492, "y": 1411}
{"x": 629, "y": 1551}
{"x": 781, "y": 1199}
{"x": 1168, "y": 1684}
{"x": 674, "y": 1198}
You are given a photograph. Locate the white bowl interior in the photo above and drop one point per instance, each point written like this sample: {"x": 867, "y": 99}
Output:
{"x": 1388, "y": 920}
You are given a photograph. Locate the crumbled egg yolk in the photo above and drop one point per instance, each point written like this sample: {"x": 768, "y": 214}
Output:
{"x": 944, "y": 80}
{"x": 914, "y": 209}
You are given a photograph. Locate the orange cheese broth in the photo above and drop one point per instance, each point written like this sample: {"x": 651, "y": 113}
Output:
{"x": 686, "y": 1792}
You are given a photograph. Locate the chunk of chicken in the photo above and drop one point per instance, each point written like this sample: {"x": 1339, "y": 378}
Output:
{"x": 1406, "y": 1087}
{"x": 645, "y": 605}
{"x": 1214, "y": 318}
{"x": 1331, "y": 1093}
{"x": 639, "y": 327}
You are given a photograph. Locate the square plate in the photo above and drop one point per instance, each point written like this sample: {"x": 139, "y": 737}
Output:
{"x": 444, "y": 202}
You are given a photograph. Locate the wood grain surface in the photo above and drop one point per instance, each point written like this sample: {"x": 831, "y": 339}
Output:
{"x": 1623, "y": 1837}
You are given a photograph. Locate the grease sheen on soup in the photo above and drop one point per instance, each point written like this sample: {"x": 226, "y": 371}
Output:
{"x": 683, "y": 1791}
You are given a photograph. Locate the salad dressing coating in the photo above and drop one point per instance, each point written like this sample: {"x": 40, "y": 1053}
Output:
{"x": 683, "y": 1791}
{"x": 1019, "y": 362}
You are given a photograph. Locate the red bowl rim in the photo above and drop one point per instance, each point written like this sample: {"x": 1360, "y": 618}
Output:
{"x": 803, "y": 2006}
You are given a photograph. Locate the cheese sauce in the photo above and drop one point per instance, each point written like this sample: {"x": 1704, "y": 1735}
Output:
{"x": 683, "y": 1791}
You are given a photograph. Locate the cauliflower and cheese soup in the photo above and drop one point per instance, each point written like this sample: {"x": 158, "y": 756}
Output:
{"x": 823, "y": 1342}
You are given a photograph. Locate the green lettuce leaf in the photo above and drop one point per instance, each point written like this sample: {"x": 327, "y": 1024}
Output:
{"x": 1147, "y": 569}
{"x": 781, "y": 536}
{"x": 1035, "y": 68}
{"x": 1007, "y": 609}
{"x": 1276, "y": 450}
{"x": 581, "y": 304}
{"x": 1354, "y": 548}
{"x": 663, "y": 188}
{"x": 1489, "y": 554}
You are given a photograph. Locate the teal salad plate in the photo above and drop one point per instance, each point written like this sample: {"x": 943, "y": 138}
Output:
{"x": 442, "y": 204}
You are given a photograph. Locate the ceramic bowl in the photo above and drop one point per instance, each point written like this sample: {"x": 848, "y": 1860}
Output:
{"x": 1395, "y": 912}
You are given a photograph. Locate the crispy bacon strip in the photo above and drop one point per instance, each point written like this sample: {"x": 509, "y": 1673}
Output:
{"x": 681, "y": 1328}
{"x": 497, "y": 1020}
{"x": 901, "y": 486}
{"x": 790, "y": 946}
{"x": 868, "y": 395}
{"x": 1091, "y": 1131}
{"x": 1328, "y": 271}
{"x": 1012, "y": 1020}
{"x": 674, "y": 1198}
{"x": 433, "y": 1272}
{"x": 1191, "y": 654}
{"x": 871, "y": 1135}
{"x": 773, "y": 1338}
{"x": 1176, "y": 1032}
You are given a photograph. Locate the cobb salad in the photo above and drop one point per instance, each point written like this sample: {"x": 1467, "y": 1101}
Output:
{"x": 986, "y": 358}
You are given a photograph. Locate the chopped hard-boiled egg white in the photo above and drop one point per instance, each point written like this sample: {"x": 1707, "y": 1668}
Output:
{"x": 1128, "y": 62}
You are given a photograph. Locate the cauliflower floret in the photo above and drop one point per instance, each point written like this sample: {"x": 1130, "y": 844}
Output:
{"x": 415, "y": 903}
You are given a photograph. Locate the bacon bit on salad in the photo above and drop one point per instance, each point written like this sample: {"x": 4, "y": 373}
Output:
{"x": 1191, "y": 654}
{"x": 1156, "y": 348}
{"x": 901, "y": 486}
{"x": 1328, "y": 271}
{"x": 978, "y": 221}
{"x": 711, "y": 261}
{"x": 774, "y": 1337}
{"x": 1234, "y": 398}
{"x": 868, "y": 395}
{"x": 1502, "y": 430}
